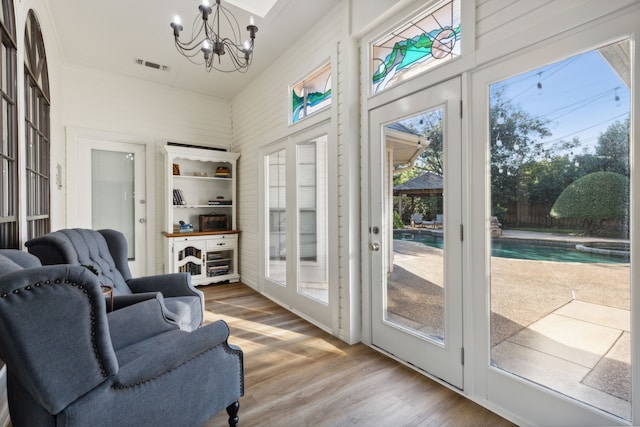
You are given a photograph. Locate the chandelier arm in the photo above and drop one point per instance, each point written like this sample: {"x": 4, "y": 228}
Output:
{"x": 240, "y": 62}
{"x": 206, "y": 38}
{"x": 185, "y": 48}
{"x": 234, "y": 29}
{"x": 189, "y": 57}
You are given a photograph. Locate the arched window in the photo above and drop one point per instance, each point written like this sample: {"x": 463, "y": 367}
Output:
{"x": 9, "y": 237}
{"x": 37, "y": 130}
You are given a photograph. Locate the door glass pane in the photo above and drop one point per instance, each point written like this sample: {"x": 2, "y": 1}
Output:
{"x": 112, "y": 187}
{"x": 415, "y": 205}
{"x": 560, "y": 227}
{"x": 312, "y": 219}
{"x": 277, "y": 225}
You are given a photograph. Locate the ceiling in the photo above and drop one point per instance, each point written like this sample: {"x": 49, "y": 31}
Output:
{"x": 111, "y": 35}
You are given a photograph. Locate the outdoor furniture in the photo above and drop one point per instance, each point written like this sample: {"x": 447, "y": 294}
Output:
{"x": 106, "y": 252}
{"x": 438, "y": 223}
{"x": 71, "y": 363}
{"x": 416, "y": 220}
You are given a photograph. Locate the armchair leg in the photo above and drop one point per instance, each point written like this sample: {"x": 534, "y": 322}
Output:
{"x": 232, "y": 410}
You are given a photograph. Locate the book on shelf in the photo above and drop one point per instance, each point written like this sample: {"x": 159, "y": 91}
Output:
{"x": 218, "y": 270}
{"x": 220, "y": 202}
{"x": 178, "y": 197}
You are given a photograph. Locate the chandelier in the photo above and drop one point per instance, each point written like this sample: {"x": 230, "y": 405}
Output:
{"x": 207, "y": 40}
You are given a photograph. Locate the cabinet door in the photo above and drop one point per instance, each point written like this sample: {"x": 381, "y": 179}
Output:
{"x": 188, "y": 257}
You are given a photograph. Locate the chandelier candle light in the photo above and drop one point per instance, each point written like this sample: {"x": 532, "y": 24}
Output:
{"x": 206, "y": 38}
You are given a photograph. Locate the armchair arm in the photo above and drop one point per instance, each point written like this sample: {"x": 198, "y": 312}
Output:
{"x": 52, "y": 249}
{"x": 138, "y": 322}
{"x": 171, "y": 285}
{"x": 168, "y": 351}
{"x": 121, "y": 301}
{"x": 23, "y": 259}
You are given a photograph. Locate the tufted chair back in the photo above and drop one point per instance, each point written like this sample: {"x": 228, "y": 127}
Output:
{"x": 84, "y": 247}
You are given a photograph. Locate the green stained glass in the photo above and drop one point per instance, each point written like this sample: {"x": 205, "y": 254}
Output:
{"x": 312, "y": 94}
{"x": 429, "y": 39}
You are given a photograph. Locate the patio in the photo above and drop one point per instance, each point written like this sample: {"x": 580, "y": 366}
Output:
{"x": 567, "y": 329}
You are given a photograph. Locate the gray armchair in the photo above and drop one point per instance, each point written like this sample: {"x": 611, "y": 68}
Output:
{"x": 106, "y": 251}
{"x": 70, "y": 363}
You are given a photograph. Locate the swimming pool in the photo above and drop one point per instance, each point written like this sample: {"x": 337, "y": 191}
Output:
{"x": 536, "y": 250}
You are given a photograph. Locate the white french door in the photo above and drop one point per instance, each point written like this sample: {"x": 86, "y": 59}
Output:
{"x": 107, "y": 190}
{"x": 416, "y": 272}
{"x": 296, "y": 210}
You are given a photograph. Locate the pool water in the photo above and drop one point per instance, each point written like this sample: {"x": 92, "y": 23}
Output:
{"x": 519, "y": 249}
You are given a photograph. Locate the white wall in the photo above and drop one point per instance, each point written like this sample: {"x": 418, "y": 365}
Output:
{"x": 147, "y": 112}
{"x": 260, "y": 117}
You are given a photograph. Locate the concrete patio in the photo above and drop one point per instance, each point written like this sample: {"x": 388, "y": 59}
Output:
{"x": 567, "y": 329}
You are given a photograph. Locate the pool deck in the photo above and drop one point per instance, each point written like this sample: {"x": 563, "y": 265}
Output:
{"x": 532, "y": 235}
{"x": 568, "y": 329}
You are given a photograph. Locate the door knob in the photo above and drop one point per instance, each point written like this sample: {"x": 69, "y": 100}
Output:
{"x": 374, "y": 246}
{"x": 142, "y": 220}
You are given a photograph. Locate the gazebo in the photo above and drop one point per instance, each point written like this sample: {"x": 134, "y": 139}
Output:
{"x": 426, "y": 185}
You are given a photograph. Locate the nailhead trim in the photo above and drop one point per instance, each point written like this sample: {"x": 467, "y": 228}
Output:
{"x": 85, "y": 291}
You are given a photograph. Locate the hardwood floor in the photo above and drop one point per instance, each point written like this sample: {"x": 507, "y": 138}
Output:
{"x": 298, "y": 375}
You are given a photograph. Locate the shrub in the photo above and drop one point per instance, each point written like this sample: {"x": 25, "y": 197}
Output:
{"x": 397, "y": 221}
{"x": 594, "y": 198}
{"x": 500, "y": 212}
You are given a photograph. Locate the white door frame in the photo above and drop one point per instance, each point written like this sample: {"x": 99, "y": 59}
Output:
{"x": 442, "y": 360}
{"x": 325, "y": 316}
{"x": 533, "y": 403}
{"x": 77, "y": 206}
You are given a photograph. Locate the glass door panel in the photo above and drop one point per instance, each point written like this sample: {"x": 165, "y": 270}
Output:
{"x": 115, "y": 206}
{"x": 415, "y": 286}
{"x": 415, "y": 244}
{"x": 296, "y": 217}
{"x": 312, "y": 219}
{"x": 277, "y": 224}
{"x": 560, "y": 227}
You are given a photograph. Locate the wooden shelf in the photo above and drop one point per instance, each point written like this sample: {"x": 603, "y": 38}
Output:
{"x": 200, "y": 233}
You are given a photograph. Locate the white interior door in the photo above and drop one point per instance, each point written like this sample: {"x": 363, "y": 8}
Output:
{"x": 416, "y": 271}
{"x": 107, "y": 190}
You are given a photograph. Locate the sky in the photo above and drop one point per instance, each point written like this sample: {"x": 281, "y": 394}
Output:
{"x": 577, "y": 96}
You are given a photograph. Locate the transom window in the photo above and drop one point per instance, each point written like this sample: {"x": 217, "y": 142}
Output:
{"x": 311, "y": 94}
{"x": 429, "y": 39}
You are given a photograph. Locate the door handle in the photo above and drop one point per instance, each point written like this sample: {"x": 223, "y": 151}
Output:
{"x": 142, "y": 220}
{"x": 375, "y": 247}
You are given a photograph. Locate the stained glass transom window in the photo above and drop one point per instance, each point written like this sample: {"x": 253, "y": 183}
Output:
{"x": 429, "y": 39}
{"x": 312, "y": 94}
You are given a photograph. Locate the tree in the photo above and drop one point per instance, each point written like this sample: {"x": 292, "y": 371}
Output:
{"x": 515, "y": 136}
{"x": 594, "y": 198}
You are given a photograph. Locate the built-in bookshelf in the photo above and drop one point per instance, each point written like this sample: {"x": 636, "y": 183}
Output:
{"x": 200, "y": 223}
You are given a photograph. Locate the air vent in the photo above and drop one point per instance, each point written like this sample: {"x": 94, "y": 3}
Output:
{"x": 151, "y": 65}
